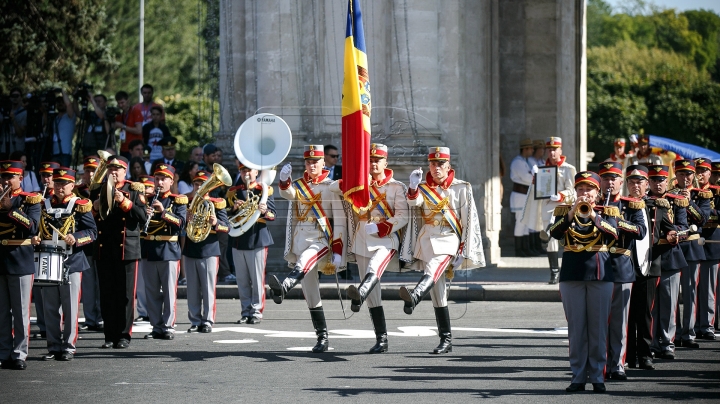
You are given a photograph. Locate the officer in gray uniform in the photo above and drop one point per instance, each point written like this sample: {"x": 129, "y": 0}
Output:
{"x": 162, "y": 267}
{"x": 90, "y": 286}
{"x": 19, "y": 219}
{"x": 631, "y": 227}
{"x": 586, "y": 280}
{"x": 698, "y": 210}
{"x": 66, "y": 221}
{"x": 672, "y": 261}
{"x": 704, "y": 327}
{"x": 201, "y": 261}
{"x": 250, "y": 249}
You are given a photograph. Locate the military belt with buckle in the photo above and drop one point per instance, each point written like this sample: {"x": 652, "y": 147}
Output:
{"x": 161, "y": 238}
{"x": 16, "y": 242}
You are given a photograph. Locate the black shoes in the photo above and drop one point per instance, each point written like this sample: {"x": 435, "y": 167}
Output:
{"x": 142, "y": 319}
{"x": 442, "y": 318}
{"x": 106, "y": 344}
{"x": 647, "y": 364}
{"x": 243, "y": 320}
{"x": 122, "y": 344}
{"x": 687, "y": 343}
{"x": 13, "y": 364}
{"x": 39, "y": 335}
{"x": 204, "y": 328}
{"x": 669, "y": 355}
{"x": 318, "y": 319}
{"x": 599, "y": 388}
{"x": 413, "y": 298}
{"x": 167, "y": 335}
{"x": 553, "y": 260}
{"x": 254, "y": 320}
{"x": 153, "y": 335}
{"x": 618, "y": 376}
{"x": 706, "y": 336}
{"x": 359, "y": 294}
{"x": 67, "y": 356}
{"x": 52, "y": 355}
{"x": 96, "y": 328}
{"x": 377, "y": 314}
{"x": 192, "y": 329}
{"x": 278, "y": 289}
{"x": 575, "y": 387}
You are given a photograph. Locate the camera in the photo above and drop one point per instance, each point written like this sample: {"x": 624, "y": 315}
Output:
{"x": 83, "y": 90}
{"x": 111, "y": 113}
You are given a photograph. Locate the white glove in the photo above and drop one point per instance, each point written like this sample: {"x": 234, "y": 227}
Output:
{"x": 535, "y": 169}
{"x": 285, "y": 172}
{"x": 337, "y": 259}
{"x": 371, "y": 228}
{"x": 457, "y": 261}
{"x": 415, "y": 178}
{"x": 555, "y": 198}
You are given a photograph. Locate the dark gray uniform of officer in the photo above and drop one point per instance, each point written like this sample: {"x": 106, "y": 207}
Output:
{"x": 120, "y": 215}
{"x": 586, "y": 282}
{"x": 201, "y": 261}
{"x": 705, "y": 324}
{"x": 161, "y": 266}
{"x": 250, "y": 250}
{"x": 631, "y": 227}
{"x": 698, "y": 211}
{"x": 647, "y": 262}
{"x": 90, "y": 290}
{"x": 72, "y": 216}
{"x": 672, "y": 261}
{"x": 19, "y": 219}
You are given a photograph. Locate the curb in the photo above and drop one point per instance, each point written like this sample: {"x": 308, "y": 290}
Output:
{"x": 474, "y": 292}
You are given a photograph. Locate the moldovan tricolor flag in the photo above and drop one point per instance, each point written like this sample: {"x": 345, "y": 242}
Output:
{"x": 355, "y": 112}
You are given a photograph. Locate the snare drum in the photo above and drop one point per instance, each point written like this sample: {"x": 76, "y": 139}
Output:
{"x": 49, "y": 264}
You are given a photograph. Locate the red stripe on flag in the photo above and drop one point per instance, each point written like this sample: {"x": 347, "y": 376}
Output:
{"x": 356, "y": 160}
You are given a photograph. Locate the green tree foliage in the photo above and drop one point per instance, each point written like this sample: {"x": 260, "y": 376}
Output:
{"x": 190, "y": 120}
{"x": 653, "y": 70}
{"x": 54, "y": 41}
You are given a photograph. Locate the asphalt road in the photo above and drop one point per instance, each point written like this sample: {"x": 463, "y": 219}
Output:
{"x": 507, "y": 351}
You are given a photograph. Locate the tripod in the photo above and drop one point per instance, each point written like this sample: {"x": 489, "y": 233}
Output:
{"x": 80, "y": 133}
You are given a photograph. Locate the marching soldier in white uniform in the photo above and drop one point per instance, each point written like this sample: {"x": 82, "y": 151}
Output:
{"x": 311, "y": 242}
{"x": 68, "y": 220}
{"x": 376, "y": 240}
{"x": 538, "y": 212}
{"x": 449, "y": 237}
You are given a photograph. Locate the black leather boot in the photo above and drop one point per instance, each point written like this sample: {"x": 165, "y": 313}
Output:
{"x": 318, "y": 319}
{"x": 413, "y": 298}
{"x": 442, "y": 317}
{"x": 359, "y": 294}
{"x": 378, "y": 318}
{"x": 519, "y": 247}
{"x": 554, "y": 267}
{"x": 278, "y": 289}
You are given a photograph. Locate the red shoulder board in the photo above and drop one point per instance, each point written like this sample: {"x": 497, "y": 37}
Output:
{"x": 235, "y": 188}
{"x": 715, "y": 186}
{"x": 599, "y": 208}
{"x": 82, "y": 201}
{"x": 215, "y": 200}
{"x": 629, "y": 199}
{"x": 673, "y": 196}
{"x": 23, "y": 193}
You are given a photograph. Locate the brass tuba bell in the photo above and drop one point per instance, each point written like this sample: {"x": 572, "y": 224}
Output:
{"x": 101, "y": 171}
{"x": 201, "y": 209}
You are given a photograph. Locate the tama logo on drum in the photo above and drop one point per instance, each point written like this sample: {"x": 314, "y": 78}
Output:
{"x": 44, "y": 265}
{"x": 263, "y": 119}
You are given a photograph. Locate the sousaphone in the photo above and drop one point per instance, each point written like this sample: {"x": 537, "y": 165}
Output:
{"x": 261, "y": 143}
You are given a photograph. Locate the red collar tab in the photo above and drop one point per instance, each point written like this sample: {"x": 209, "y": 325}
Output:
{"x": 388, "y": 177}
{"x": 559, "y": 163}
{"x": 445, "y": 185}
{"x": 317, "y": 180}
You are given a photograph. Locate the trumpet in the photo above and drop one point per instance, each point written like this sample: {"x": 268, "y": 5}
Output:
{"x": 691, "y": 229}
{"x": 44, "y": 190}
{"x": 5, "y": 192}
{"x": 584, "y": 209}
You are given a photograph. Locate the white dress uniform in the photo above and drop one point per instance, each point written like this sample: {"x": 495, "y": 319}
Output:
{"x": 449, "y": 235}
{"x": 311, "y": 241}
{"x": 520, "y": 174}
{"x": 538, "y": 213}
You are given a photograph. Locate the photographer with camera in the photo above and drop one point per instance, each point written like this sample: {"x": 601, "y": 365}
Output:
{"x": 95, "y": 137}
{"x": 63, "y": 129}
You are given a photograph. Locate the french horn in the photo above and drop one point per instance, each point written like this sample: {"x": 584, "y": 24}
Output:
{"x": 261, "y": 143}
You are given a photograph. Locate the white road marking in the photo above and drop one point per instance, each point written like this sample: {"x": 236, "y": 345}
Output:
{"x": 236, "y": 341}
{"x": 305, "y": 348}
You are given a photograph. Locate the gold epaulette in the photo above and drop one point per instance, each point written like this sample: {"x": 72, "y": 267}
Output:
{"x": 270, "y": 190}
{"x": 83, "y": 205}
{"x": 705, "y": 194}
{"x": 219, "y": 203}
{"x": 639, "y": 204}
{"x": 662, "y": 202}
{"x": 137, "y": 186}
{"x": 611, "y": 211}
{"x": 33, "y": 198}
{"x": 561, "y": 210}
{"x": 181, "y": 199}
{"x": 682, "y": 202}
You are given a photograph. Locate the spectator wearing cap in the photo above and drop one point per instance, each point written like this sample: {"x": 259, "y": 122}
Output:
{"x": 161, "y": 249}
{"x": 168, "y": 145}
{"x": 119, "y": 222}
{"x": 154, "y": 131}
{"x": 522, "y": 176}
{"x": 60, "y": 303}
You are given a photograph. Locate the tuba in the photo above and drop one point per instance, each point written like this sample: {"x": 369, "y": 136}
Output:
{"x": 261, "y": 143}
{"x": 199, "y": 227}
{"x": 99, "y": 174}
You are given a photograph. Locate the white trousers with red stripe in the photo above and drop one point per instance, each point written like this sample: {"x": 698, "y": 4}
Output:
{"x": 375, "y": 265}
{"x": 618, "y": 327}
{"x": 201, "y": 276}
{"x": 61, "y": 305}
{"x": 308, "y": 262}
{"x": 250, "y": 272}
{"x": 161, "y": 278}
{"x": 436, "y": 268}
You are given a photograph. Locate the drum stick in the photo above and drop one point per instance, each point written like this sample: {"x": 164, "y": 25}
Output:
{"x": 58, "y": 231}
